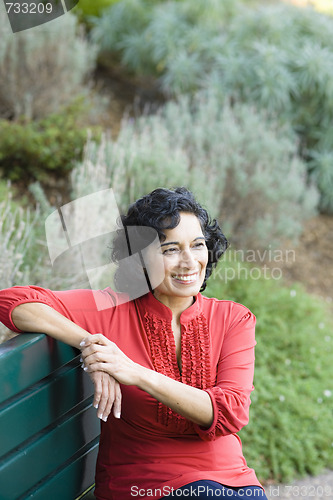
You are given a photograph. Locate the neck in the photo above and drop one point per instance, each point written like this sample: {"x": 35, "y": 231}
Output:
{"x": 177, "y": 305}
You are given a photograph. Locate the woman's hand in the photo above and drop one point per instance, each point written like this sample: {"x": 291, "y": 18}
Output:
{"x": 100, "y": 354}
{"x": 107, "y": 395}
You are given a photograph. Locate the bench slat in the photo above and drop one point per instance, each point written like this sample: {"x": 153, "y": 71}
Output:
{"x": 47, "y": 451}
{"x": 42, "y": 403}
{"x": 27, "y": 358}
{"x": 77, "y": 475}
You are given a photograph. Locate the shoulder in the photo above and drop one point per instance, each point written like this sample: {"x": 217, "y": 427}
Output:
{"x": 88, "y": 300}
{"x": 228, "y": 311}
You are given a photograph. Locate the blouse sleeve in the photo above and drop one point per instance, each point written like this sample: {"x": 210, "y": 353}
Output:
{"x": 80, "y": 306}
{"x": 234, "y": 383}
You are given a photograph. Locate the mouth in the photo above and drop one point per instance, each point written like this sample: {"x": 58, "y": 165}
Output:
{"x": 187, "y": 279}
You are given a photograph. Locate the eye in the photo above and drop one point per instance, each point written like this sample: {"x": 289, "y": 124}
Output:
{"x": 200, "y": 245}
{"x": 170, "y": 251}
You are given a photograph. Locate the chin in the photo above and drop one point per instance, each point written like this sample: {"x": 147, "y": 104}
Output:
{"x": 188, "y": 291}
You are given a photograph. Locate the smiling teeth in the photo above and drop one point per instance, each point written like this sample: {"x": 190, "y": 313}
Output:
{"x": 191, "y": 277}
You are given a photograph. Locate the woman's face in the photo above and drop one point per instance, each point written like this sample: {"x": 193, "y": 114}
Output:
{"x": 185, "y": 256}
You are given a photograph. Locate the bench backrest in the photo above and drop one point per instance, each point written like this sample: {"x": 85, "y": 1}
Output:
{"x": 49, "y": 430}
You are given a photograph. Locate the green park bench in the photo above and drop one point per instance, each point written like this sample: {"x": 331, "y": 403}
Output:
{"x": 49, "y": 430}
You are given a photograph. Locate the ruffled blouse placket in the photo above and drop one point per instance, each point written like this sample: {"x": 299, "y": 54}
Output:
{"x": 195, "y": 353}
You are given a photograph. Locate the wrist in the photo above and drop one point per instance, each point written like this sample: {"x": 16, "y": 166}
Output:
{"x": 146, "y": 378}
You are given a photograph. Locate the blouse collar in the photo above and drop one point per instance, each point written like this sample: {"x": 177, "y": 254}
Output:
{"x": 154, "y": 306}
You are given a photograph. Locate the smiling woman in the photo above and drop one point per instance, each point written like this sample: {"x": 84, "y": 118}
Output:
{"x": 184, "y": 362}
{"x": 185, "y": 257}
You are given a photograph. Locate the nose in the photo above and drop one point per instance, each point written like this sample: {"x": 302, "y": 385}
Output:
{"x": 187, "y": 259}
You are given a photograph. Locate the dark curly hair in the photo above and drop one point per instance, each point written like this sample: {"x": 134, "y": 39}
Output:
{"x": 160, "y": 210}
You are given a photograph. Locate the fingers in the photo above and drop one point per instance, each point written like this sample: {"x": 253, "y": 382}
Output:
{"x": 86, "y": 341}
{"x": 96, "y": 348}
{"x": 107, "y": 395}
{"x": 117, "y": 401}
{"x": 109, "y": 402}
{"x": 114, "y": 400}
{"x": 97, "y": 380}
{"x": 98, "y": 338}
{"x": 96, "y": 358}
{"x": 96, "y": 353}
{"x": 104, "y": 407}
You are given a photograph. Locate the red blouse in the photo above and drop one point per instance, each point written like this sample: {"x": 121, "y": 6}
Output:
{"x": 152, "y": 449}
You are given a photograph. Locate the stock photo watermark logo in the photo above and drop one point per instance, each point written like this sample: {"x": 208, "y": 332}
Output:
{"x": 80, "y": 235}
{"x": 24, "y": 14}
{"x": 254, "y": 264}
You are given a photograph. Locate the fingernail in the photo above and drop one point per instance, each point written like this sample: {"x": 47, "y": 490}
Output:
{"x": 117, "y": 414}
{"x": 81, "y": 360}
{"x": 104, "y": 419}
{"x": 100, "y": 416}
{"x": 82, "y": 343}
{"x": 85, "y": 368}
{"x": 96, "y": 406}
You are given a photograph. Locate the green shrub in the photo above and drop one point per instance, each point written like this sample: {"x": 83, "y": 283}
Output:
{"x": 277, "y": 57}
{"x": 288, "y": 434}
{"x": 16, "y": 229}
{"x": 16, "y": 235}
{"x": 322, "y": 171}
{"x": 289, "y": 71}
{"x": 42, "y": 70}
{"x": 118, "y": 22}
{"x": 86, "y": 8}
{"x": 134, "y": 164}
{"x": 149, "y": 36}
{"x": 241, "y": 166}
{"x": 32, "y": 151}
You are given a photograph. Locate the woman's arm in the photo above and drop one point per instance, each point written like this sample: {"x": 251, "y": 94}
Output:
{"x": 190, "y": 402}
{"x": 99, "y": 353}
{"x": 217, "y": 411}
{"x": 41, "y": 318}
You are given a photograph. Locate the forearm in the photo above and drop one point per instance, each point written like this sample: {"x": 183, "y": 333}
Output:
{"x": 190, "y": 402}
{"x": 41, "y": 318}
{"x": 100, "y": 354}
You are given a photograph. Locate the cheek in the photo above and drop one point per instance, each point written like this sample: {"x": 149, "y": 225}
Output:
{"x": 156, "y": 269}
{"x": 169, "y": 264}
{"x": 204, "y": 258}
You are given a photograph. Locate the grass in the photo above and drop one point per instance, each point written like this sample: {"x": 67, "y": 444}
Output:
{"x": 290, "y": 433}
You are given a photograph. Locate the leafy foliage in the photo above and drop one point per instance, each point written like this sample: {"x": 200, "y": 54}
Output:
{"x": 16, "y": 233}
{"x": 31, "y": 151}
{"x": 163, "y": 29}
{"x": 42, "y": 70}
{"x": 288, "y": 434}
{"x": 242, "y": 167}
{"x": 277, "y": 57}
{"x": 87, "y": 8}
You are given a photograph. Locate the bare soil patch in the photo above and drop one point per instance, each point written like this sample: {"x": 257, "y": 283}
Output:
{"x": 313, "y": 263}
